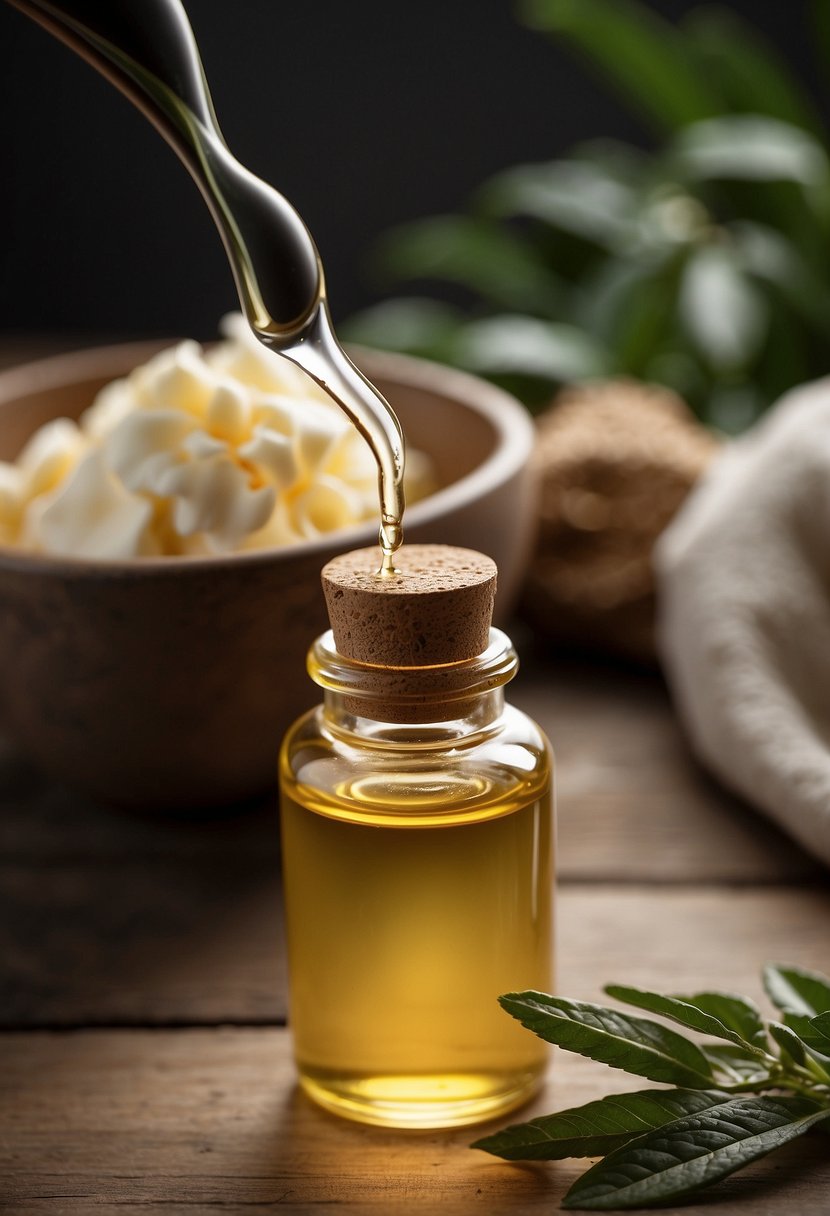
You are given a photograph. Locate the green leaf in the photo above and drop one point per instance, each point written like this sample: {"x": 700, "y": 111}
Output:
{"x": 414, "y": 325}
{"x": 735, "y": 1064}
{"x": 597, "y": 1128}
{"x": 645, "y": 327}
{"x": 738, "y": 1013}
{"x": 629, "y": 304}
{"x": 820, "y": 21}
{"x": 784, "y": 360}
{"x": 691, "y": 1014}
{"x": 766, "y": 252}
{"x": 723, "y": 312}
{"x": 693, "y": 1152}
{"x": 749, "y": 73}
{"x": 817, "y": 1062}
{"x": 640, "y": 52}
{"x": 608, "y": 296}
{"x": 636, "y": 1045}
{"x": 489, "y": 259}
{"x": 580, "y": 197}
{"x": 792, "y": 1049}
{"x": 507, "y": 344}
{"x": 816, "y": 1034}
{"x": 749, "y": 147}
{"x": 772, "y": 257}
{"x": 795, "y": 990}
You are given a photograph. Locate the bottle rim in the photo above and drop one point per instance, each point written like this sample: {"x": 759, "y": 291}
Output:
{"x": 444, "y": 682}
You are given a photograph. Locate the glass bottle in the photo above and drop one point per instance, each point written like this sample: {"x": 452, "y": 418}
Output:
{"x": 418, "y": 877}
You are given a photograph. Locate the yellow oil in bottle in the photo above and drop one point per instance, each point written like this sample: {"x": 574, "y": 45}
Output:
{"x": 418, "y": 888}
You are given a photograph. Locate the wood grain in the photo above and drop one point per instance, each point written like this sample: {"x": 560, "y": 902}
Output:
{"x": 633, "y": 805}
{"x": 109, "y": 917}
{"x": 161, "y": 944}
{"x": 210, "y": 1121}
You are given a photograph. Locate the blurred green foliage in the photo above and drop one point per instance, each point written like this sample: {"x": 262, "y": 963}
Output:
{"x": 703, "y": 265}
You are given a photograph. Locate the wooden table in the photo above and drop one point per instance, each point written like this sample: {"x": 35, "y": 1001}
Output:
{"x": 145, "y": 1061}
{"x": 146, "y": 1065}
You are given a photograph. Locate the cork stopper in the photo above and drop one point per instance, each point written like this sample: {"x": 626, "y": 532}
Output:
{"x": 435, "y": 610}
{"x": 411, "y": 627}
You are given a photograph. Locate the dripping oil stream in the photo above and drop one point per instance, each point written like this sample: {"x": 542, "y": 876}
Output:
{"x": 147, "y": 49}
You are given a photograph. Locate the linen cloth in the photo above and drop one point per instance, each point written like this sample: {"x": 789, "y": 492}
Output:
{"x": 743, "y": 585}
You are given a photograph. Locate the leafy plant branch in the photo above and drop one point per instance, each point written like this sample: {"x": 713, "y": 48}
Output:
{"x": 703, "y": 264}
{"x": 760, "y": 1085}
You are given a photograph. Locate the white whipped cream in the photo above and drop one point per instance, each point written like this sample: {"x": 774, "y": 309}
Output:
{"x": 195, "y": 452}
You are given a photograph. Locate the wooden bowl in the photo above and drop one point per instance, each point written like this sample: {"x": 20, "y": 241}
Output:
{"x": 168, "y": 682}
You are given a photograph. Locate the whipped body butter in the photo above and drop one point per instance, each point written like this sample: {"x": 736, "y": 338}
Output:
{"x": 195, "y": 453}
{"x": 417, "y": 835}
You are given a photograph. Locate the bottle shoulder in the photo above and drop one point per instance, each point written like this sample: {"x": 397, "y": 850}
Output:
{"x": 487, "y": 772}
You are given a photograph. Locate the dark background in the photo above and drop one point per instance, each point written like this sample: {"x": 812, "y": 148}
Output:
{"x": 363, "y": 114}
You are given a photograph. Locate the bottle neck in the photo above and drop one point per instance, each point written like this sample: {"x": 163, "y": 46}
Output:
{"x": 413, "y": 706}
{"x": 478, "y": 715}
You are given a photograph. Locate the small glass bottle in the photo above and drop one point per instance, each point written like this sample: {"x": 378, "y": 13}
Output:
{"x": 417, "y": 836}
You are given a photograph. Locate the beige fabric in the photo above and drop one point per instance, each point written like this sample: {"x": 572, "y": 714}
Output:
{"x": 743, "y": 579}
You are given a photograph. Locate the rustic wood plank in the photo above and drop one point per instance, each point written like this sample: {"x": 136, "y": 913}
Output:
{"x": 211, "y": 1121}
{"x": 633, "y": 806}
{"x": 160, "y": 941}
{"x": 114, "y": 917}
{"x": 109, "y": 916}
{"x": 169, "y": 943}
{"x": 685, "y": 940}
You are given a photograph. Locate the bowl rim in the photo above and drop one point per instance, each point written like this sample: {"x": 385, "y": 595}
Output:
{"x": 510, "y": 420}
